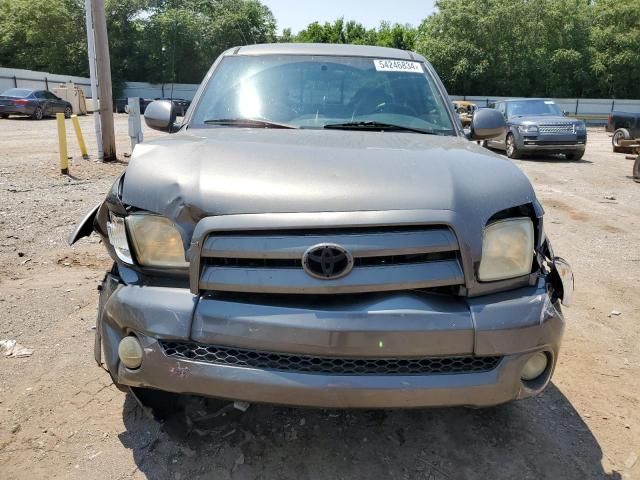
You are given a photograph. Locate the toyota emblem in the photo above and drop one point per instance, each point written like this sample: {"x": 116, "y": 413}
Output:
{"x": 327, "y": 261}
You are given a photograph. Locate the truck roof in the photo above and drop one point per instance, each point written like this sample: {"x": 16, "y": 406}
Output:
{"x": 324, "y": 49}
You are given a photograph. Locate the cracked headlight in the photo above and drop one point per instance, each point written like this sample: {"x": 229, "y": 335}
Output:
{"x": 156, "y": 241}
{"x": 507, "y": 250}
{"x": 528, "y": 129}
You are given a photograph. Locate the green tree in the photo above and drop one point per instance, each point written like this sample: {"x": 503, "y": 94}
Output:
{"x": 615, "y": 46}
{"x": 183, "y": 38}
{"x": 354, "y": 33}
{"x": 509, "y": 47}
{"x": 43, "y": 35}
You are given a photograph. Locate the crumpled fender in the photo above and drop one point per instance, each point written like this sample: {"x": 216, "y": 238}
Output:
{"x": 96, "y": 219}
{"x": 85, "y": 226}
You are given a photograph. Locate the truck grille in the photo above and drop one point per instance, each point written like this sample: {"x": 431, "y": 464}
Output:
{"x": 557, "y": 129}
{"x": 383, "y": 259}
{"x": 327, "y": 365}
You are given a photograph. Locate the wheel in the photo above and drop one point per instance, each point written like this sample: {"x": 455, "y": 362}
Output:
{"x": 4, "y": 115}
{"x": 67, "y": 112}
{"x": 636, "y": 169}
{"x": 38, "y": 114}
{"x": 574, "y": 155}
{"x": 619, "y": 135}
{"x": 512, "y": 149}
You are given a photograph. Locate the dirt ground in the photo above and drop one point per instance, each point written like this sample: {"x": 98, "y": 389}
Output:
{"x": 60, "y": 416}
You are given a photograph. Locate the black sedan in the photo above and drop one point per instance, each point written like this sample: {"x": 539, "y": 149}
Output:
{"x": 35, "y": 103}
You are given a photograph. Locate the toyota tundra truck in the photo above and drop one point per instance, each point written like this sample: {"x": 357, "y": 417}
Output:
{"x": 320, "y": 231}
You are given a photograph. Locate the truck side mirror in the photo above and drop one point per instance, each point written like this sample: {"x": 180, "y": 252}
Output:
{"x": 487, "y": 123}
{"x": 161, "y": 115}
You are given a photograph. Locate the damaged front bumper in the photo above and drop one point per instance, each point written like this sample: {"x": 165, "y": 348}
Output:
{"x": 480, "y": 345}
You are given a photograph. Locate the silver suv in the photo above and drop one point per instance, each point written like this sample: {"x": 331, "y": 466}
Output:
{"x": 319, "y": 231}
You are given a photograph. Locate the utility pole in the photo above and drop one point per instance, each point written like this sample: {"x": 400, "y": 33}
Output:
{"x": 104, "y": 83}
{"x": 92, "y": 74}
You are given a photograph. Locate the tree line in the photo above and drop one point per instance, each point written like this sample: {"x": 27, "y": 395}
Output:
{"x": 556, "y": 48}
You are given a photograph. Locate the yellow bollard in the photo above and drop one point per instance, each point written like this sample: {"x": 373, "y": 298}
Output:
{"x": 76, "y": 127}
{"x": 62, "y": 141}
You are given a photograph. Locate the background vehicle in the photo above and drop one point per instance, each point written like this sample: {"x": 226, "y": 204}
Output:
{"x": 348, "y": 246}
{"x": 35, "y": 103}
{"x": 465, "y": 111}
{"x": 624, "y": 126}
{"x": 121, "y": 105}
{"x": 539, "y": 126}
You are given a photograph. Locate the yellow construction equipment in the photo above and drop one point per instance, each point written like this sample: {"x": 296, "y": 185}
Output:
{"x": 62, "y": 141}
{"x": 76, "y": 127}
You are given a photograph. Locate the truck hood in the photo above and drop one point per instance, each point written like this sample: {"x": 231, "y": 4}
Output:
{"x": 225, "y": 171}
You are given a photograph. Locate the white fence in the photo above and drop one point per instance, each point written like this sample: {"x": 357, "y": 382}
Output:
{"x": 12, "y": 77}
{"x": 575, "y": 106}
{"x": 165, "y": 90}
{"x": 16, "y": 78}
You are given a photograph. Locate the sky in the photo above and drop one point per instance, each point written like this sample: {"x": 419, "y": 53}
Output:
{"x": 297, "y": 14}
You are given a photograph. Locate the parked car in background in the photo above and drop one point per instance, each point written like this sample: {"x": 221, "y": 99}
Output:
{"x": 537, "y": 125}
{"x": 34, "y": 103}
{"x": 180, "y": 105}
{"x": 465, "y": 111}
{"x": 320, "y": 231}
{"x": 623, "y": 126}
{"x": 121, "y": 105}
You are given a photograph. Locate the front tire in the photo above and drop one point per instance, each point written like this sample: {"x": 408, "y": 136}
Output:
{"x": 4, "y": 115}
{"x": 38, "y": 114}
{"x": 512, "y": 148}
{"x": 67, "y": 112}
{"x": 619, "y": 135}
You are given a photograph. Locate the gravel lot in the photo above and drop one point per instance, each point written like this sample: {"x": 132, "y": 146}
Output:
{"x": 60, "y": 417}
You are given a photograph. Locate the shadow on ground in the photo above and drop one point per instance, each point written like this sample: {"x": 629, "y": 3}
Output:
{"x": 541, "y": 157}
{"x": 538, "y": 438}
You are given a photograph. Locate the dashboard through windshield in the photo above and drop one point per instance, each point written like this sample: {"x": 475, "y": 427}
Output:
{"x": 323, "y": 92}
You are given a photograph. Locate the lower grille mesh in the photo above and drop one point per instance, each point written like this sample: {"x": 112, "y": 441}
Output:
{"x": 327, "y": 365}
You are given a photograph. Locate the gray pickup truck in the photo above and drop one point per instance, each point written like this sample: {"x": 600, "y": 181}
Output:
{"x": 320, "y": 231}
{"x": 623, "y": 126}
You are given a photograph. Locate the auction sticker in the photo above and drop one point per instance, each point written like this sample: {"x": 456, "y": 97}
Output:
{"x": 398, "y": 66}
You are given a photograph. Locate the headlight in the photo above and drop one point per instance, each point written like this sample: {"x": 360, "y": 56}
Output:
{"x": 530, "y": 129}
{"x": 581, "y": 127}
{"x": 507, "y": 250}
{"x": 156, "y": 241}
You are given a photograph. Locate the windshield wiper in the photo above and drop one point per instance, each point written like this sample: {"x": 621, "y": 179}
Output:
{"x": 248, "y": 122}
{"x": 377, "y": 126}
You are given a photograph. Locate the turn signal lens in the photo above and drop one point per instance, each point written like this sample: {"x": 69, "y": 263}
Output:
{"x": 118, "y": 238}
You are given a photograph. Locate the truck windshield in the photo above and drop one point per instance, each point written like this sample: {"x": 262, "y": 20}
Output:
{"x": 532, "y": 107}
{"x": 323, "y": 91}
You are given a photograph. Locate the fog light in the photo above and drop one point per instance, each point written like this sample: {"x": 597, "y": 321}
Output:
{"x": 130, "y": 352}
{"x": 535, "y": 366}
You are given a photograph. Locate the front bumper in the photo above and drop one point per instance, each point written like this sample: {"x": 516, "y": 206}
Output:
{"x": 513, "y": 325}
{"x": 551, "y": 143}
